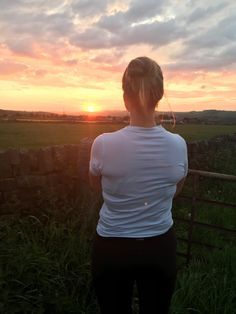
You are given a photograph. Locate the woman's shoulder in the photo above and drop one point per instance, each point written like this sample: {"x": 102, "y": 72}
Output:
{"x": 174, "y": 137}
{"x": 109, "y": 136}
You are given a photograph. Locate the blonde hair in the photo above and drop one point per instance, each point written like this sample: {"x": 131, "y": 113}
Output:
{"x": 143, "y": 82}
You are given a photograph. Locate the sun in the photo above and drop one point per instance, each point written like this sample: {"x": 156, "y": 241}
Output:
{"x": 91, "y": 108}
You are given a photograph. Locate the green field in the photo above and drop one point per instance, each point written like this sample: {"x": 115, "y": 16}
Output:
{"x": 39, "y": 134}
{"x": 45, "y": 257}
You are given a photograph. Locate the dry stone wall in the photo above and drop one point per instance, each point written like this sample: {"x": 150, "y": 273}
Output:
{"x": 33, "y": 178}
{"x": 202, "y": 155}
{"x": 30, "y": 178}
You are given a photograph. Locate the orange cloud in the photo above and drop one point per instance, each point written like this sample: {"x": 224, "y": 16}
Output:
{"x": 64, "y": 54}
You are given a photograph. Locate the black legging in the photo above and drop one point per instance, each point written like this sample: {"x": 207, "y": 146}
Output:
{"x": 117, "y": 263}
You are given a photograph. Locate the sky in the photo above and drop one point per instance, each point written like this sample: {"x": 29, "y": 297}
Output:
{"x": 68, "y": 56}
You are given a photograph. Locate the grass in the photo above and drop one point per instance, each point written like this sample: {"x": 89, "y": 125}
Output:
{"x": 45, "y": 260}
{"x": 207, "y": 287}
{"x": 45, "y": 268}
{"x": 35, "y": 135}
{"x": 192, "y": 132}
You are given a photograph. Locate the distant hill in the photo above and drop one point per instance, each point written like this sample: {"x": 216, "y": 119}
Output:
{"x": 200, "y": 117}
{"x": 207, "y": 116}
{"x": 21, "y": 113}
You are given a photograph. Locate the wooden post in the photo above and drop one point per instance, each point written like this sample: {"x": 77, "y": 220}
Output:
{"x": 192, "y": 217}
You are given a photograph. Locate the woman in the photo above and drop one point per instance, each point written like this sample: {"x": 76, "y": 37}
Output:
{"x": 139, "y": 170}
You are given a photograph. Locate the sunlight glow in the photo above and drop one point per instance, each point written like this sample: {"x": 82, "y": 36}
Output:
{"x": 91, "y": 108}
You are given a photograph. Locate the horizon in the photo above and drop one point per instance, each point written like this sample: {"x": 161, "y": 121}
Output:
{"x": 70, "y": 56}
{"x": 109, "y": 112}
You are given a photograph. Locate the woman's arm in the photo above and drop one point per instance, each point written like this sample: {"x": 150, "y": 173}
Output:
{"x": 179, "y": 187}
{"x": 95, "y": 165}
{"x": 95, "y": 183}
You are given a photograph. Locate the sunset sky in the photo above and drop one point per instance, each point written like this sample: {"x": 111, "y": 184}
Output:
{"x": 69, "y": 56}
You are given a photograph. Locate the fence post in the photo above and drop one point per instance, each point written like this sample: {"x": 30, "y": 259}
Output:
{"x": 192, "y": 216}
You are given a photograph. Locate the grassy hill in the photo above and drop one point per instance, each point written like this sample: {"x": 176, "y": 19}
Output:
{"x": 209, "y": 116}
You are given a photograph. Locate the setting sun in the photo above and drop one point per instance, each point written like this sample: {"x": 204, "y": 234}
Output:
{"x": 91, "y": 108}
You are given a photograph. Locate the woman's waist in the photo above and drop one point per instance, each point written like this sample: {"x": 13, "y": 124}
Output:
{"x": 134, "y": 227}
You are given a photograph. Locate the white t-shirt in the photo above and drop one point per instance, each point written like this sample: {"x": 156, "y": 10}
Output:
{"x": 140, "y": 168}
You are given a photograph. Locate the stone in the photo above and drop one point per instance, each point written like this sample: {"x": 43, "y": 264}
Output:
{"x": 53, "y": 180}
{"x": 72, "y": 153}
{"x": 59, "y": 157}
{"x": 14, "y": 156}
{"x": 192, "y": 147}
{"x": 83, "y": 158}
{"x": 24, "y": 163}
{"x": 8, "y": 184}
{"x": 26, "y": 182}
{"x": 232, "y": 137}
{"x": 12, "y": 197}
{"x": 2, "y": 199}
{"x": 46, "y": 163}
{"x": 5, "y": 165}
{"x": 34, "y": 161}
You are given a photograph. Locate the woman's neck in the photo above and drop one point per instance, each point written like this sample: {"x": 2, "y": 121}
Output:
{"x": 145, "y": 120}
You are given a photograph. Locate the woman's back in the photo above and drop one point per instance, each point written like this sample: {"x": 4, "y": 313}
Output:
{"x": 140, "y": 168}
